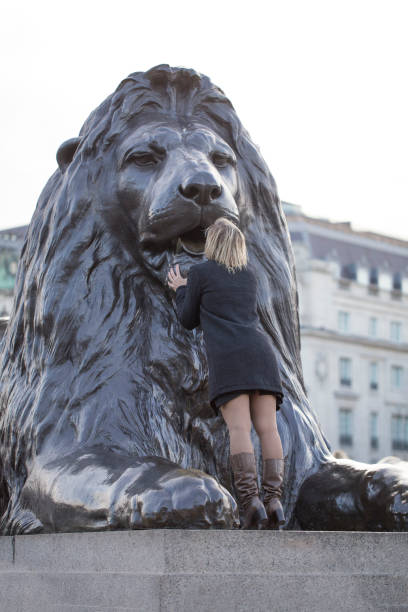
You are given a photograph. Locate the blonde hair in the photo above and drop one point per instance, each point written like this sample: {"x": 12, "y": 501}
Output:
{"x": 225, "y": 243}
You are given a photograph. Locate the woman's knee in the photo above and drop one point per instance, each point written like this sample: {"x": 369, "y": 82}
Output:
{"x": 239, "y": 427}
{"x": 265, "y": 427}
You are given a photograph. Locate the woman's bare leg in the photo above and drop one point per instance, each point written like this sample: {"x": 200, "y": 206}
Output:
{"x": 236, "y": 414}
{"x": 263, "y": 414}
{"x": 238, "y": 419}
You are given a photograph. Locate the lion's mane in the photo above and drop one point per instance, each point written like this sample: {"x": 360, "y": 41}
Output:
{"x": 87, "y": 357}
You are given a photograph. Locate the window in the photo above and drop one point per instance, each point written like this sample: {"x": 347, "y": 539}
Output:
{"x": 399, "y": 432}
{"x": 397, "y": 281}
{"x": 396, "y": 377}
{"x": 373, "y": 278}
{"x": 345, "y": 371}
{"x": 345, "y": 427}
{"x": 343, "y": 321}
{"x": 374, "y": 430}
{"x": 396, "y": 331}
{"x": 349, "y": 271}
{"x": 372, "y": 326}
{"x": 373, "y": 375}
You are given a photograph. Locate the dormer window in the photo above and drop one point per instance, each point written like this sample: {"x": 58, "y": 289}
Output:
{"x": 373, "y": 279}
{"x": 349, "y": 271}
{"x": 397, "y": 281}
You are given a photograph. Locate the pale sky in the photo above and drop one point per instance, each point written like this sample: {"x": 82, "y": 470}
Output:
{"x": 320, "y": 85}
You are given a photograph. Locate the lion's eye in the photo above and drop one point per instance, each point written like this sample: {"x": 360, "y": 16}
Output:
{"x": 221, "y": 160}
{"x": 142, "y": 159}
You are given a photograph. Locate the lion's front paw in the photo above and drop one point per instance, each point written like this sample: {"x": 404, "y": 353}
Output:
{"x": 353, "y": 496}
{"x": 185, "y": 499}
{"x": 385, "y": 496}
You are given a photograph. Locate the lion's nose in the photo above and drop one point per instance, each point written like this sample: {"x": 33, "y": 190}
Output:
{"x": 202, "y": 188}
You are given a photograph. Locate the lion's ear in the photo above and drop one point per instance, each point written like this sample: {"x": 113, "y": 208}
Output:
{"x": 66, "y": 152}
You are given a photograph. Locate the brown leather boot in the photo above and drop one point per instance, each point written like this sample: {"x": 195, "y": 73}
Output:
{"x": 272, "y": 479}
{"x": 246, "y": 485}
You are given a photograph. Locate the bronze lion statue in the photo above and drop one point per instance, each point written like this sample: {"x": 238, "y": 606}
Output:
{"x": 105, "y": 419}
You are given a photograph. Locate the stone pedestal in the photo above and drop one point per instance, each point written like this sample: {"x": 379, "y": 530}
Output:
{"x": 177, "y": 570}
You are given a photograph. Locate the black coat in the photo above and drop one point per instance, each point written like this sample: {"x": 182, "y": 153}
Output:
{"x": 240, "y": 354}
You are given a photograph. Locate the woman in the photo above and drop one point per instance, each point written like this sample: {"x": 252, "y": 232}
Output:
{"x": 243, "y": 380}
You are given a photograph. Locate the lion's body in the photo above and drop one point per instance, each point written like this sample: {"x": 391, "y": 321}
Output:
{"x": 94, "y": 356}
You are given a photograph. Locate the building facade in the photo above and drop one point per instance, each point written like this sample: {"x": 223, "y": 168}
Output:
{"x": 353, "y": 302}
{"x": 11, "y": 241}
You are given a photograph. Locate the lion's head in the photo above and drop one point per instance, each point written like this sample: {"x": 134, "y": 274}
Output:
{"x": 94, "y": 350}
{"x": 178, "y": 158}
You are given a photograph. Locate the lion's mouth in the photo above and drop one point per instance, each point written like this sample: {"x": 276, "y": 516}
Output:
{"x": 192, "y": 242}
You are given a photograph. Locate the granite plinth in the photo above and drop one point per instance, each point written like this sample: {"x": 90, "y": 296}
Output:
{"x": 176, "y": 570}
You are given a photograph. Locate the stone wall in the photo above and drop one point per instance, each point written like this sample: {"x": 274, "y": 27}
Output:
{"x": 176, "y": 570}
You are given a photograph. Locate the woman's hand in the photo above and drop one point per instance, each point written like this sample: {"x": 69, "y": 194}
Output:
{"x": 175, "y": 279}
